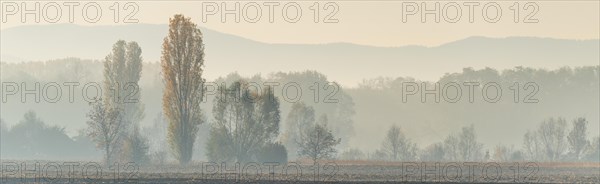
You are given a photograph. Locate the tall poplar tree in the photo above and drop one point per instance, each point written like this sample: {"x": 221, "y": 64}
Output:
{"x": 182, "y": 67}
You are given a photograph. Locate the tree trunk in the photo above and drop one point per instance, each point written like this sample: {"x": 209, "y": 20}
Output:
{"x": 107, "y": 152}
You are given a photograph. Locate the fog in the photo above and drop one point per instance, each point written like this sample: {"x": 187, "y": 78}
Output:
{"x": 46, "y": 101}
{"x": 361, "y": 116}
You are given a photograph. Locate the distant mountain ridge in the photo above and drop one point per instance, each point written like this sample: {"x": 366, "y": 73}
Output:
{"x": 342, "y": 62}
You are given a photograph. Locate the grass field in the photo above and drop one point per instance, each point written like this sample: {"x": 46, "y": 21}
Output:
{"x": 302, "y": 172}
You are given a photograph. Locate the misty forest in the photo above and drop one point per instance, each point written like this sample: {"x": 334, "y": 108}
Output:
{"x": 167, "y": 112}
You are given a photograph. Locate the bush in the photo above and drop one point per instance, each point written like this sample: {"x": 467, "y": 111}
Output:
{"x": 218, "y": 146}
{"x": 378, "y": 155}
{"x": 352, "y": 154}
{"x": 135, "y": 148}
{"x": 272, "y": 152}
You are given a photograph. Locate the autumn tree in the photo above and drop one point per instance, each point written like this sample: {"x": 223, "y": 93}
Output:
{"x": 503, "y": 153}
{"x": 317, "y": 142}
{"x": 397, "y": 146}
{"x": 245, "y": 121}
{"x": 104, "y": 127}
{"x": 182, "y": 64}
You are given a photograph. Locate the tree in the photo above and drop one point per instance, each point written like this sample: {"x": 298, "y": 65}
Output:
{"x": 317, "y": 142}
{"x": 3, "y": 129}
{"x": 339, "y": 106}
{"x": 463, "y": 146}
{"x": 218, "y": 146}
{"x": 299, "y": 118}
{"x": 433, "y": 152}
{"x": 503, "y": 153}
{"x": 104, "y": 127}
{"x": 487, "y": 156}
{"x": 122, "y": 71}
{"x": 182, "y": 64}
{"x": 158, "y": 141}
{"x": 32, "y": 138}
{"x": 469, "y": 148}
{"x": 342, "y": 123}
{"x": 451, "y": 148}
{"x": 532, "y": 145}
{"x": 245, "y": 122}
{"x": 136, "y": 147}
{"x": 3, "y": 136}
{"x": 593, "y": 153}
{"x": 272, "y": 152}
{"x": 551, "y": 133}
{"x": 397, "y": 146}
{"x": 577, "y": 138}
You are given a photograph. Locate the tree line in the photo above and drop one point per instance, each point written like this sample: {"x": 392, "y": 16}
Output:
{"x": 552, "y": 141}
{"x": 245, "y": 124}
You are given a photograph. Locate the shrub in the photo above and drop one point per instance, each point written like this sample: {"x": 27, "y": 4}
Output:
{"x": 272, "y": 152}
{"x": 352, "y": 154}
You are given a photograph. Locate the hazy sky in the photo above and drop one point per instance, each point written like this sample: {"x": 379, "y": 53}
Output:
{"x": 362, "y": 22}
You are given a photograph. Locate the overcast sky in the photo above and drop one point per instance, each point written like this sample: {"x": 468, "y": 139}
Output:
{"x": 360, "y": 22}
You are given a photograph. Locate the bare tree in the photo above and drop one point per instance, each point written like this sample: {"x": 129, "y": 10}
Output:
{"x": 299, "y": 118}
{"x": 104, "y": 127}
{"x": 463, "y": 146}
{"x": 532, "y": 146}
{"x": 578, "y": 141}
{"x": 122, "y": 71}
{"x": 317, "y": 142}
{"x": 593, "y": 153}
{"x": 397, "y": 146}
{"x": 182, "y": 67}
{"x": 551, "y": 133}
{"x": 451, "y": 148}
{"x": 245, "y": 122}
{"x": 469, "y": 148}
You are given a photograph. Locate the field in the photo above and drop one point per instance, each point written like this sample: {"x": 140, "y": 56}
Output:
{"x": 302, "y": 172}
